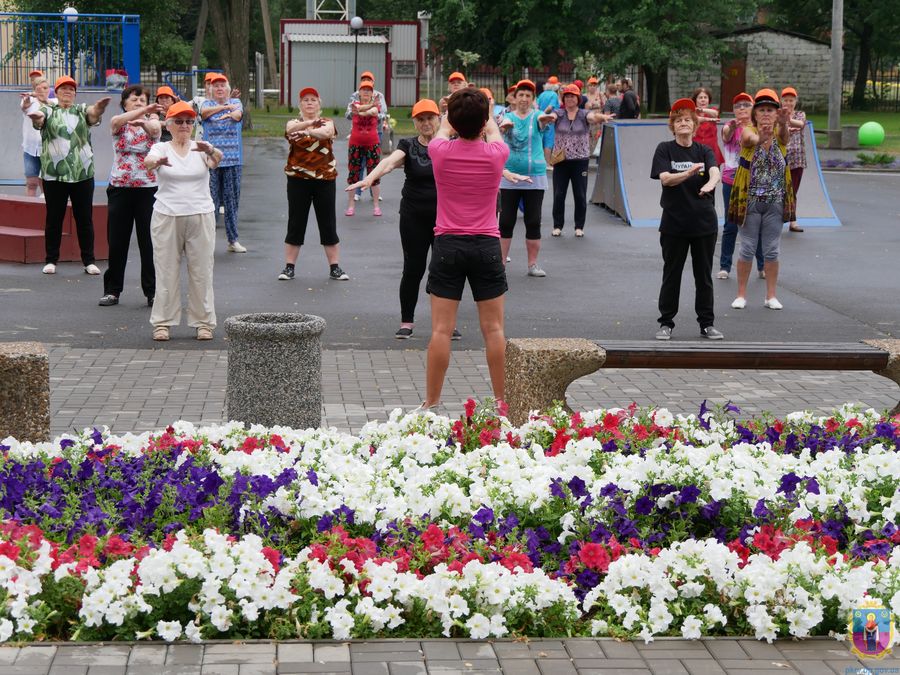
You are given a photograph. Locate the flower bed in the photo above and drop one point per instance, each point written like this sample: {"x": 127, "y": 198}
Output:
{"x": 621, "y": 522}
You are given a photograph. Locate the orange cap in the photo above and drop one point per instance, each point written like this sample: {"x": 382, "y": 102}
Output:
{"x": 308, "y": 91}
{"x": 367, "y": 75}
{"x": 553, "y": 79}
{"x": 571, "y": 89}
{"x": 426, "y": 105}
{"x": 766, "y": 96}
{"x": 366, "y": 85}
{"x": 181, "y": 108}
{"x": 218, "y": 77}
{"x": 593, "y": 80}
{"x": 36, "y": 73}
{"x": 456, "y": 75}
{"x": 209, "y": 76}
{"x": 511, "y": 89}
{"x": 788, "y": 91}
{"x": 65, "y": 79}
{"x": 579, "y": 84}
{"x": 487, "y": 92}
{"x": 525, "y": 84}
{"x": 743, "y": 96}
{"x": 684, "y": 104}
{"x": 165, "y": 91}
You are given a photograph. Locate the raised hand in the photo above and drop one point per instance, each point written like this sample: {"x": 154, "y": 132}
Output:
{"x": 203, "y": 146}
{"x": 100, "y": 105}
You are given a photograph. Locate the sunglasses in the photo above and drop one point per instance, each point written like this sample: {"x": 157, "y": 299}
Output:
{"x": 745, "y": 104}
{"x": 182, "y": 122}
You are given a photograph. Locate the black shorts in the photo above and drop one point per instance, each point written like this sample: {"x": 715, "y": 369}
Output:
{"x": 455, "y": 258}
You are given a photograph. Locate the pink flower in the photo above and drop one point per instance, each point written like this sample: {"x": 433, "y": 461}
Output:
{"x": 595, "y": 557}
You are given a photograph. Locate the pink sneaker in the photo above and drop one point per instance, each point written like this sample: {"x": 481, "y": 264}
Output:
{"x": 349, "y": 212}
{"x": 376, "y": 212}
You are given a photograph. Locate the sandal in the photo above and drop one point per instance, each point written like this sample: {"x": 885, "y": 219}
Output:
{"x": 795, "y": 228}
{"x": 161, "y": 333}
{"x": 350, "y": 211}
{"x": 204, "y": 333}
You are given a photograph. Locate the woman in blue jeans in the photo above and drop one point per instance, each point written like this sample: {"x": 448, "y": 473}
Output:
{"x": 572, "y": 136}
{"x": 731, "y": 137}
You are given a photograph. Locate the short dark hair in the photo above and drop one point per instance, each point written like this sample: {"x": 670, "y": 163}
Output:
{"x": 701, "y": 90}
{"x": 133, "y": 89}
{"x": 467, "y": 112}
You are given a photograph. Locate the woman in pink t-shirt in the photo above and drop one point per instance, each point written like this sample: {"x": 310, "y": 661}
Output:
{"x": 466, "y": 245}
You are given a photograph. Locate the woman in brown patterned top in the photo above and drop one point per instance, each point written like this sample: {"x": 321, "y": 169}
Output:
{"x": 311, "y": 172}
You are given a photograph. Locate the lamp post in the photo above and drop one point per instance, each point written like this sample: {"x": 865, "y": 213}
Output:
{"x": 356, "y": 24}
{"x": 70, "y": 14}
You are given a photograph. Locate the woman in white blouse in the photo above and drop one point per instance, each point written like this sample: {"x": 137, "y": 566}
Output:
{"x": 183, "y": 223}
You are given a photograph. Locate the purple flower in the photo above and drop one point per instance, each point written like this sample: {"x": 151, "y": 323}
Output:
{"x": 687, "y": 495}
{"x": 508, "y": 524}
{"x": 732, "y": 408}
{"x": 789, "y": 482}
{"x": 702, "y": 416}
{"x": 760, "y": 510}
{"x": 312, "y": 477}
{"x": 346, "y": 512}
{"x": 609, "y": 490}
{"x": 556, "y": 488}
{"x": 889, "y": 530}
{"x": 476, "y": 531}
{"x": 587, "y": 579}
{"x": 325, "y": 523}
{"x": 66, "y": 443}
{"x": 643, "y": 506}
{"x": 610, "y": 446}
{"x": 577, "y": 486}
{"x": 4, "y": 448}
{"x": 97, "y": 437}
{"x": 812, "y": 486}
{"x": 484, "y": 516}
{"x": 711, "y": 510}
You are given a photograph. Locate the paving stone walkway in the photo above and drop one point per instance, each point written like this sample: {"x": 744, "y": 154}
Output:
{"x": 144, "y": 389}
{"x": 447, "y": 657}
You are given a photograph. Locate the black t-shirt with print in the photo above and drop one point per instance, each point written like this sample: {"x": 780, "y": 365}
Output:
{"x": 685, "y": 212}
{"x": 419, "y": 191}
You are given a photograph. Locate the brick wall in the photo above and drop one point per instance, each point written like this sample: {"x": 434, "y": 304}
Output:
{"x": 774, "y": 60}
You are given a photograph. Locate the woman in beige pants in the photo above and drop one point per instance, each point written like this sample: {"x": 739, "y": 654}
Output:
{"x": 183, "y": 223}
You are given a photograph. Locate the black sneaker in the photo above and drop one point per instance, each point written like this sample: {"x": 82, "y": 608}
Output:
{"x": 710, "y": 333}
{"x": 456, "y": 334}
{"x": 664, "y": 333}
{"x": 403, "y": 334}
{"x": 287, "y": 273}
{"x": 338, "y": 274}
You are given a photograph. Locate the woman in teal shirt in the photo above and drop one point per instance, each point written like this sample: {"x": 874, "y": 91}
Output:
{"x": 524, "y": 134}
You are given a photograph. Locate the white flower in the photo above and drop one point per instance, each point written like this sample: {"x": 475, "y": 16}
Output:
{"x": 479, "y": 626}
{"x": 168, "y": 630}
{"x": 690, "y": 627}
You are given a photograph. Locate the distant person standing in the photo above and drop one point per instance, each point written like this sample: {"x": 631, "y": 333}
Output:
{"x": 707, "y": 132}
{"x": 380, "y": 106}
{"x": 67, "y": 169}
{"x": 796, "y": 153}
{"x": 456, "y": 82}
{"x": 364, "y": 151}
{"x": 31, "y": 137}
{"x": 594, "y": 102}
{"x": 547, "y": 101}
{"x": 613, "y": 100}
{"x": 222, "y": 122}
{"x": 731, "y": 141}
{"x": 689, "y": 175}
{"x": 762, "y": 197}
{"x": 165, "y": 98}
{"x": 630, "y": 107}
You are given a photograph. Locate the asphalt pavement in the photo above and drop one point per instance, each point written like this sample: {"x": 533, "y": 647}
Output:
{"x": 837, "y": 284}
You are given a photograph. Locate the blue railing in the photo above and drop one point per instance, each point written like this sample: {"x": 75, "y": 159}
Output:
{"x": 98, "y": 50}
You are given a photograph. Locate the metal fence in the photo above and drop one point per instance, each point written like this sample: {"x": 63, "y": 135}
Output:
{"x": 97, "y": 50}
{"x": 882, "y": 91}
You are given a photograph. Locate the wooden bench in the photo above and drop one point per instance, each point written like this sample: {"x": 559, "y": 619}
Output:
{"x": 539, "y": 370}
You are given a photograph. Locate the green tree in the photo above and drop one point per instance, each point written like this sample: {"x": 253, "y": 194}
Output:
{"x": 871, "y": 31}
{"x": 663, "y": 34}
{"x": 162, "y": 43}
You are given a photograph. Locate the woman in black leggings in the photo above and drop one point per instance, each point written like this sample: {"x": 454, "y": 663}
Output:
{"x": 418, "y": 207}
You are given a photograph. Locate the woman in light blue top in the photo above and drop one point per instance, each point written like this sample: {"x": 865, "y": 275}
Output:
{"x": 524, "y": 134}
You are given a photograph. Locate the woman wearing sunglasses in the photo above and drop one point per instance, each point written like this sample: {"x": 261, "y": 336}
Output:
{"x": 183, "y": 224}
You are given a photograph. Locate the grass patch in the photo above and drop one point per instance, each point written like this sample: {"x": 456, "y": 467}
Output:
{"x": 890, "y": 122}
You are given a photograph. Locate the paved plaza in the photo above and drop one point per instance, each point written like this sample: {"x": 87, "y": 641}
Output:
{"x": 447, "y": 657}
{"x": 838, "y": 284}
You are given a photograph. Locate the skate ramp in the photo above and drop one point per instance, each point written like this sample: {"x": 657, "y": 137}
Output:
{"x": 624, "y": 186}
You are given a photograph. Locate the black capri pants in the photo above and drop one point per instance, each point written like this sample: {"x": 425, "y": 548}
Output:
{"x": 509, "y": 208}
{"x": 320, "y": 194}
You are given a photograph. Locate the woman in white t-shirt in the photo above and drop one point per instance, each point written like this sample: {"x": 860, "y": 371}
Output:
{"x": 183, "y": 223}
{"x": 31, "y": 137}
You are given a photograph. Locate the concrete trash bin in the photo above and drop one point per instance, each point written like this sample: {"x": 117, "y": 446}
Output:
{"x": 275, "y": 369}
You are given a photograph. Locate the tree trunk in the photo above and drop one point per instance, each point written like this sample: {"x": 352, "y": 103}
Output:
{"x": 858, "y": 100}
{"x": 231, "y": 26}
{"x": 657, "y": 89}
{"x": 200, "y": 35}
{"x": 270, "y": 47}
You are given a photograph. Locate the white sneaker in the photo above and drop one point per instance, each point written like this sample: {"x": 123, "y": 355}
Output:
{"x": 739, "y": 303}
{"x": 49, "y": 268}
{"x": 92, "y": 269}
{"x": 723, "y": 274}
{"x": 222, "y": 210}
{"x": 535, "y": 271}
{"x": 236, "y": 247}
{"x": 772, "y": 303}
{"x": 356, "y": 198}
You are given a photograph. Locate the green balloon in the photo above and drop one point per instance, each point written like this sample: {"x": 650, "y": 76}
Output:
{"x": 871, "y": 133}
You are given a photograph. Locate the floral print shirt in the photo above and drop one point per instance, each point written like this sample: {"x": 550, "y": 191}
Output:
{"x": 796, "y": 149}
{"x": 767, "y": 177}
{"x": 573, "y": 135}
{"x": 130, "y": 147}
{"x": 66, "y": 152}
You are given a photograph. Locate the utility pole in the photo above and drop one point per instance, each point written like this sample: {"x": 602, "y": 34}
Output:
{"x": 836, "y": 82}
{"x": 270, "y": 47}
